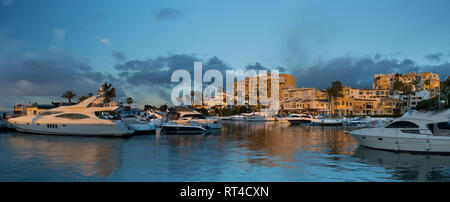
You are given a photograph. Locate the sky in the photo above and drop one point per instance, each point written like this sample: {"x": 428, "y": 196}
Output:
{"x": 49, "y": 46}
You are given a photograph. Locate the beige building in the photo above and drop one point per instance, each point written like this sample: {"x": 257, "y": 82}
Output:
{"x": 261, "y": 85}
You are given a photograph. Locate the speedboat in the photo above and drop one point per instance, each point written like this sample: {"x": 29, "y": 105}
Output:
{"x": 138, "y": 125}
{"x": 299, "y": 119}
{"x": 91, "y": 117}
{"x": 180, "y": 127}
{"x": 414, "y": 131}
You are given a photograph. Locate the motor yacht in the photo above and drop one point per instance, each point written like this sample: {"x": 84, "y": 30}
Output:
{"x": 299, "y": 119}
{"x": 91, "y": 117}
{"x": 191, "y": 117}
{"x": 414, "y": 131}
{"x": 182, "y": 127}
{"x": 260, "y": 117}
{"x": 139, "y": 125}
{"x": 240, "y": 117}
{"x": 327, "y": 121}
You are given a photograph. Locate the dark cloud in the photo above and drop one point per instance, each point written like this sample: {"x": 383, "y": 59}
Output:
{"x": 434, "y": 57}
{"x": 119, "y": 56}
{"x": 47, "y": 73}
{"x": 359, "y": 72}
{"x": 168, "y": 14}
{"x": 257, "y": 66}
{"x": 407, "y": 62}
{"x": 157, "y": 72}
{"x": 281, "y": 69}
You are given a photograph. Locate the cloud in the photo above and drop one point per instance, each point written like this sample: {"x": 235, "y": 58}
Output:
{"x": 58, "y": 34}
{"x": 434, "y": 57}
{"x": 359, "y": 72}
{"x": 119, "y": 56}
{"x": 155, "y": 73}
{"x": 106, "y": 42}
{"x": 257, "y": 66}
{"x": 169, "y": 14}
{"x": 45, "y": 73}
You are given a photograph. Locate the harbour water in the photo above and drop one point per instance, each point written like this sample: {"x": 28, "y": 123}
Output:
{"x": 241, "y": 151}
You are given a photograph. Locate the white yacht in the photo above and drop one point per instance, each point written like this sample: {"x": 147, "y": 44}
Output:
{"x": 414, "y": 131}
{"x": 240, "y": 117}
{"x": 299, "y": 119}
{"x": 182, "y": 127}
{"x": 138, "y": 125}
{"x": 260, "y": 117}
{"x": 91, "y": 117}
{"x": 200, "y": 119}
{"x": 328, "y": 121}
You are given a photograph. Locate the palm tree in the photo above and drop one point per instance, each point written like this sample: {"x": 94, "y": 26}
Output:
{"x": 68, "y": 94}
{"x": 163, "y": 107}
{"x": 334, "y": 91}
{"x": 110, "y": 93}
{"x": 129, "y": 101}
{"x": 148, "y": 107}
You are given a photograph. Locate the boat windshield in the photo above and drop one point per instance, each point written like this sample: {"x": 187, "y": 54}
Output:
{"x": 194, "y": 116}
{"x": 402, "y": 124}
{"x": 109, "y": 115}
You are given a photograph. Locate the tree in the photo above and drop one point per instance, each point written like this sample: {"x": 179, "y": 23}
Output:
{"x": 129, "y": 101}
{"x": 163, "y": 107}
{"x": 68, "y": 94}
{"x": 148, "y": 107}
{"x": 334, "y": 91}
{"x": 398, "y": 85}
{"x": 110, "y": 93}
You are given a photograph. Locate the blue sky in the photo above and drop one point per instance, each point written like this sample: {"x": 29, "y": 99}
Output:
{"x": 292, "y": 34}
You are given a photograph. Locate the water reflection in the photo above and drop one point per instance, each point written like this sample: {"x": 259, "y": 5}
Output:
{"x": 91, "y": 156}
{"x": 408, "y": 166}
{"x": 238, "y": 152}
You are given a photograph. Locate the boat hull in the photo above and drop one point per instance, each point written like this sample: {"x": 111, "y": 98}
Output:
{"x": 142, "y": 128}
{"x": 300, "y": 121}
{"x": 74, "y": 129}
{"x": 182, "y": 129}
{"x": 404, "y": 142}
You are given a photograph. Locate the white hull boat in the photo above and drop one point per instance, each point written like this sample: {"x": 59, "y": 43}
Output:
{"x": 174, "y": 127}
{"x": 88, "y": 118}
{"x": 139, "y": 126}
{"x": 328, "y": 122}
{"x": 197, "y": 118}
{"x": 413, "y": 132}
{"x": 299, "y": 119}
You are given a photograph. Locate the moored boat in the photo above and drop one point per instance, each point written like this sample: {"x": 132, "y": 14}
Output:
{"x": 91, "y": 117}
{"x": 414, "y": 131}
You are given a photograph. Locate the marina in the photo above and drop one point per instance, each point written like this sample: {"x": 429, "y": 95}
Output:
{"x": 211, "y": 91}
{"x": 240, "y": 151}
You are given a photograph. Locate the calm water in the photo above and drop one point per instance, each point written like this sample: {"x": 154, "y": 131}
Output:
{"x": 240, "y": 152}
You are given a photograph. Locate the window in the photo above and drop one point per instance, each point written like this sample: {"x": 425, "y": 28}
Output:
{"x": 444, "y": 125}
{"x": 194, "y": 116}
{"x": 411, "y": 131}
{"x": 402, "y": 124}
{"x": 72, "y": 116}
{"x": 46, "y": 113}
